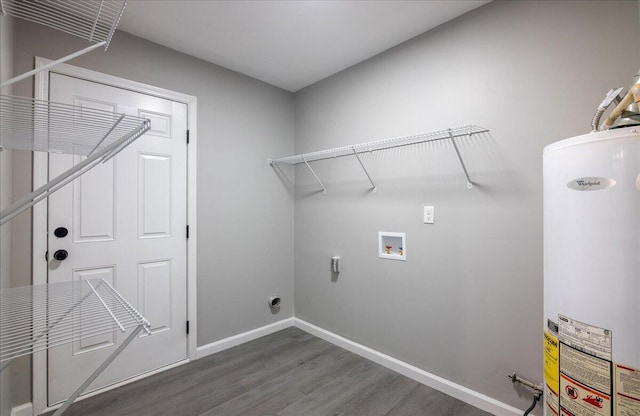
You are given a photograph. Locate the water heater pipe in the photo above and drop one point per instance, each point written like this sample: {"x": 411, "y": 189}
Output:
{"x": 517, "y": 379}
{"x": 537, "y": 388}
{"x": 612, "y": 96}
{"x": 632, "y": 96}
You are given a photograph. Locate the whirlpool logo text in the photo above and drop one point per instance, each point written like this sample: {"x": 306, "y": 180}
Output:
{"x": 591, "y": 183}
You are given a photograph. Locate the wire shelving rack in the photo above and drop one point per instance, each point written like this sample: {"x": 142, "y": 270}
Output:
{"x": 28, "y": 124}
{"x": 35, "y": 318}
{"x": 39, "y": 317}
{"x": 356, "y": 149}
{"x": 93, "y": 20}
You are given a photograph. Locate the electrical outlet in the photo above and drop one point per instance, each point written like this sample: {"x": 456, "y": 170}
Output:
{"x": 429, "y": 215}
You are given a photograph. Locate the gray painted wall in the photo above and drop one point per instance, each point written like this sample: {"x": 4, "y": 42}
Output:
{"x": 467, "y": 303}
{"x": 245, "y": 215}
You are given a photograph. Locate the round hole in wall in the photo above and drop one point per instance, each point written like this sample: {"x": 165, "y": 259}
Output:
{"x": 274, "y": 301}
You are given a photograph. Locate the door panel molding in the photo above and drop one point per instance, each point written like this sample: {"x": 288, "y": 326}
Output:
{"x": 154, "y": 281}
{"x": 154, "y": 188}
{"x": 99, "y": 341}
{"x": 160, "y": 123}
{"x": 94, "y": 203}
{"x": 39, "y": 219}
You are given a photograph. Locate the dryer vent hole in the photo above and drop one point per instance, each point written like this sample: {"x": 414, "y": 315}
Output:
{"x": 274, "y": 301}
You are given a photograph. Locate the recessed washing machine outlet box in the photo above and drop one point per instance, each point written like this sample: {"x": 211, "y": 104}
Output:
{"x": 392, "y": 245}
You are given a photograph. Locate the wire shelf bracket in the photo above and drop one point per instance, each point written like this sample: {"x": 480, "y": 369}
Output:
{"x": 464, "y": 168}
{"x": 98, "y": 371}
{"x": 373, "y": 185}
{"x": 93, "y": 20}
{"x": 28, "y": 124}
{"x": 355, "y": 150}
{"x": 324, "y": 190}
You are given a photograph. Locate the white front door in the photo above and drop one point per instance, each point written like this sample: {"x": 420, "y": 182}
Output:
{"x": 126, "y": 222}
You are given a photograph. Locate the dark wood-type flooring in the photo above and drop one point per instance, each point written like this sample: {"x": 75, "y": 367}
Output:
{"x": 288, "y": 373}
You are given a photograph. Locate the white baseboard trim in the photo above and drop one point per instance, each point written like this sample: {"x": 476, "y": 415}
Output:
{"x": 23, "y": 410}
{"x": 450, "y": 388}
{"x": 235, "y": 340}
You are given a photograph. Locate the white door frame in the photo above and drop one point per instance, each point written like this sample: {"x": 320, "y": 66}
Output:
{"x": 39, "y": 222}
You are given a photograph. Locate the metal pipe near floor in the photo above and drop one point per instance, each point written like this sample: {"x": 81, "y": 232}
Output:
{"x": 537, "y": 390}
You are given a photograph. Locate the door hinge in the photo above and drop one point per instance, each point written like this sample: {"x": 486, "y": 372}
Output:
{"x": 187, "y": 327}
{"x": 46, "y": 256}
{"x": 187, "y": 231}
{"x": 187, "y": 136}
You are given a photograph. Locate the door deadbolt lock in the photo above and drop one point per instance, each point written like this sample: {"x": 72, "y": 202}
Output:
{"x": 60, "y": 255}
{"x": 61, "y": 232}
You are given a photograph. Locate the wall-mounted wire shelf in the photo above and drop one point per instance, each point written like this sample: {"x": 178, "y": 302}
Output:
{"x": 28, "y": 124}
{"x": 39, "y": 317}
{"x": 92, "y": 20}
{"x": 355, "y": 150}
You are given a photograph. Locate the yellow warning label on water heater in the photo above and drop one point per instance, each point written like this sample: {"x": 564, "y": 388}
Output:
{"x": 551, "y": 365}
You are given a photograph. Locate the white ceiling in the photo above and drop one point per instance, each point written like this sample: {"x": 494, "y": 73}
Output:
{"x": 290, "y": 44}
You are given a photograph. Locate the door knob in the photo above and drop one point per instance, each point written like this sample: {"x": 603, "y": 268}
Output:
{"x": 61, "y": 232}
{"x": 60, "y": 255}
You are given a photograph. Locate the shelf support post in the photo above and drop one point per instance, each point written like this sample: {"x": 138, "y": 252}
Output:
{"x": 373, "y": 185}
{"x": 129, "y": 138}
{"x": 69, "y": 175}
{"x": 99, "y": 370}
{"x": 107, "y": 135}
{"x": 324, "y": 190}
{"x": 53, "y": 63}
{"x": 126, "y": 305}
{"x": 464, "y": 168}
{"x": 106, "y": 308}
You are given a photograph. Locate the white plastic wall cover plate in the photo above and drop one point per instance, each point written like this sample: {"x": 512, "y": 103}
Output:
{"x": 429, "y": 214}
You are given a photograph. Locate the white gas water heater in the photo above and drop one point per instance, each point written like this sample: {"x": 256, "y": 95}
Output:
{"x": 592, "y": 266}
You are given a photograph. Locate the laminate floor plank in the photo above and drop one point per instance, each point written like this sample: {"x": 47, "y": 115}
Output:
{"x": 284, "y": 389}
{"x": 288, "y": 373}
{"x": 389, "y": 391}
{"x": 425, "y": 401}
{"x": 327, "y": 399}
{"x": 212, "y": 387}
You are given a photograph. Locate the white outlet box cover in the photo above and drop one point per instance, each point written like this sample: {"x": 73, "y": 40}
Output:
{"x": 429, "y": 214}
